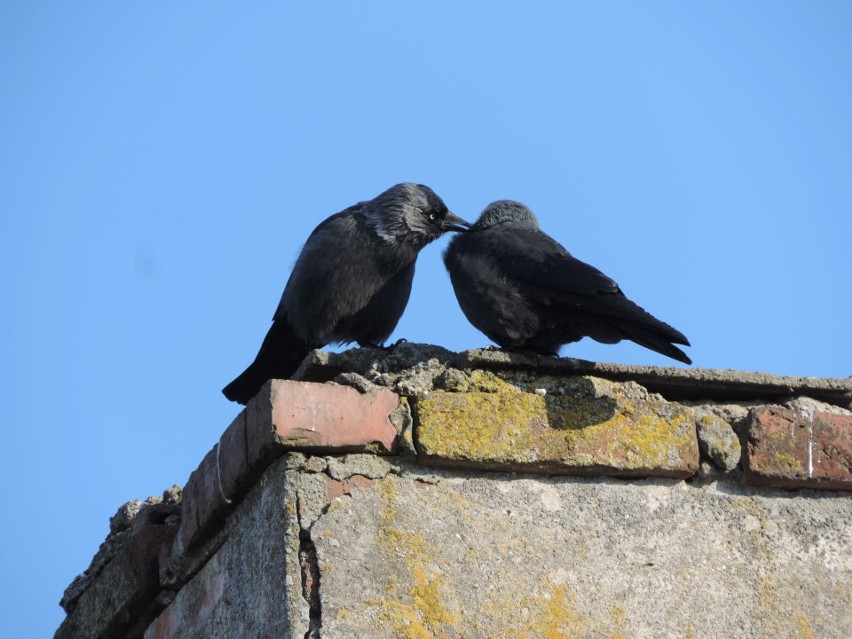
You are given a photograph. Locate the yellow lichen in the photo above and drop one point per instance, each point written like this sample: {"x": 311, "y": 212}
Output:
{"x": 488, "y": 382}
{"x": 387, "y": 493}
{"x": 427, "y": 599}
{"x": 787, "y": 460}
{"x": 619, "y": 618}
{"x": 805, "y": 626}
{"x": 548, "y": 613}
{"x": 423, "y": 613}
{"x": 558, "y": 619}
{"x": 510, "y": 427}
{"x": 343, "y": 614}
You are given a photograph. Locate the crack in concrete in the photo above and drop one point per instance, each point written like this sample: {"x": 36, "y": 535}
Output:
{"x": 310, "y": 584}
{"x": 310, "y": 507}
{"x": 310, "y": 574}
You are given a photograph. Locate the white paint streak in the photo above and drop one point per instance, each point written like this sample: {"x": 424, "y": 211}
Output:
{"x": 809, "y": 413}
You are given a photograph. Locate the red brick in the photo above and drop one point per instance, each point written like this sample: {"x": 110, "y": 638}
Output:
{"x": 289, "y": 415}
{"x": 284, "y": 416}
{"x": 203, "y": 502}
{"x": 337, "y": 488}
{"x": 799, "y": 449}
{"x": 234, "y": 465}
{"x": 188, "y": 616}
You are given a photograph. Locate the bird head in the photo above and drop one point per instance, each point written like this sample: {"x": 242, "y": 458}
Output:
{"x": 411, "y": 214}
{"x": 503, "y": 211}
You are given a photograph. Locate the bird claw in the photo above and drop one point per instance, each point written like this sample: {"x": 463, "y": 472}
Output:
{"x": 382, "y": 347}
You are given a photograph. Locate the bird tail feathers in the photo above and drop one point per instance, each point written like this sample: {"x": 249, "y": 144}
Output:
{"x": 656, "y": 341}
{"x": 278, "y": 358}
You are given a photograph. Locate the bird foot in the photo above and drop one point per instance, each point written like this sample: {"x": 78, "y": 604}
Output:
{"x": 382, "y": 347}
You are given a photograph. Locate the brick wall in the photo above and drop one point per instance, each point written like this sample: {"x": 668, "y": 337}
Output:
{"x": 422, "y": 493}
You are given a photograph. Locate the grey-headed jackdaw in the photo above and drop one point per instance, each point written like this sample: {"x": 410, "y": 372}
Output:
{"x": 351, "y": 281}
{"x": 523, "y": 290}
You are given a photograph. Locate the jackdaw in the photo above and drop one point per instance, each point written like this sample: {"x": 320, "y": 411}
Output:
{"x": 351, "y": 281}
{"x": 523, "y": 290}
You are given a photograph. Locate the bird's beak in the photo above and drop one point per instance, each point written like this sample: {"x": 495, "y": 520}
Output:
{"x": 454, "y": 223}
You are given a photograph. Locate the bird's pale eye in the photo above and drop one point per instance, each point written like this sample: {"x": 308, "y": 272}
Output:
{"x": 431, "y": 216}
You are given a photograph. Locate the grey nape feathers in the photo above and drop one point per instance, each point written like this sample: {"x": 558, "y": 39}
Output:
{"x": 351, "y": 281}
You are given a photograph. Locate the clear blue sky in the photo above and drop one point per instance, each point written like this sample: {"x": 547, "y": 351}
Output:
{"x": 161, "y": 164}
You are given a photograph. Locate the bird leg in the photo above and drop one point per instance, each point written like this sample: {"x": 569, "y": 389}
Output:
{"x": 382, "y": 347}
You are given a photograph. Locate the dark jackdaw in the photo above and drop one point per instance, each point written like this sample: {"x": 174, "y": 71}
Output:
{"x": 523, "y": 290}
{"x": 351, "y": 281}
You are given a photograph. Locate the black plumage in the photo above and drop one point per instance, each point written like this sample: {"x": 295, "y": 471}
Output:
{"x": 526, "y": 292}
{"x": 351, "y": 281}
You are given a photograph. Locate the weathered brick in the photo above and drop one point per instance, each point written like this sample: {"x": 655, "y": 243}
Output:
{"x": 289, "y": 415}
{"x": 244, "y": 581}
{"x": 799, "y": 449}
{"x": 284, "y": 416}
{"x": 125, "y": 592}
{"x": 187, "y": 617}
{"x": 611, "y": 434}
{"x": 234, "y": 465}
{"x": 204, "y": 502}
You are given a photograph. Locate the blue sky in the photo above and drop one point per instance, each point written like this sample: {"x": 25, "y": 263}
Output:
{"x": 161, "y": 164}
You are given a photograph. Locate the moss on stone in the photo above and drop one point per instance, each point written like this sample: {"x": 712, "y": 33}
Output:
{"x": 599, "y": 426}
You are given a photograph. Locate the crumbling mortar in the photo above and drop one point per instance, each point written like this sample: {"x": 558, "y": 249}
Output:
{"x": 310, "y": 575}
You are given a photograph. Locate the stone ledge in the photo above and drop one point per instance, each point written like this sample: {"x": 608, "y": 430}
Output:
{"x": 673, "y": 383}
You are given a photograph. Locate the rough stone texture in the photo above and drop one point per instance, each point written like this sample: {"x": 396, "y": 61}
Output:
{"x": 717, "y": 440}
{"x": 129, "y": 520}
{"x": 369, "y": 466}
{"x": 124, "y": 593}
{"x": 406, "y": 368}
{"x": 797, "y": 448}
{"x": 804, "y": 403}
{"x": 589, "y": 426}
{"x": 250, "y": 586}
{"x": 536, "y": 557}
{"x": 672, "y": 382}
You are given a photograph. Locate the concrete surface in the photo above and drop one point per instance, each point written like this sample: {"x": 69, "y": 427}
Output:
{"x": 478, "y": 556}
